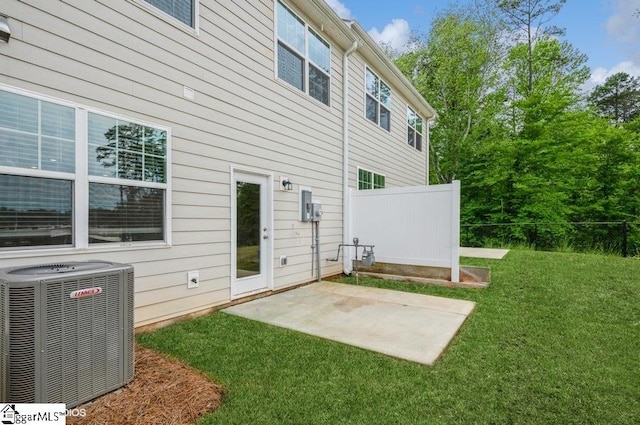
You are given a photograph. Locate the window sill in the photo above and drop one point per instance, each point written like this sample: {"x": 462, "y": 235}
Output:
{"x": 373, "y": 123}
{"x": 302, "y": 94}
{"x": 57, "y": 252}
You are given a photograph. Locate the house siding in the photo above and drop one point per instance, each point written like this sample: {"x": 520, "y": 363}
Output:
{"x": 374, "y": 148}
{"x": 120, "y": 57}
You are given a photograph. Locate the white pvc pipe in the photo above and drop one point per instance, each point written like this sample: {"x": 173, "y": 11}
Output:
{"x": 346, "y": 210}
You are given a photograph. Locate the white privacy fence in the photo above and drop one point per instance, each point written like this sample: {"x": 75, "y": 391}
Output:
{"x": 410, "y": 225}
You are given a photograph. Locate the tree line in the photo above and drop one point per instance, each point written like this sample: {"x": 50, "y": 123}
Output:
{"x": 517, "y": 128}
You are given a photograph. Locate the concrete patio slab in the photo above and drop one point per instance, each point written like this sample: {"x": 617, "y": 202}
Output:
{"x": 490, "y": 253}
{"x": 409, "y": 326}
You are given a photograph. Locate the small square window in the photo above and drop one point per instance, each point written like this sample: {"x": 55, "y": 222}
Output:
{"x": 370, "y": 180}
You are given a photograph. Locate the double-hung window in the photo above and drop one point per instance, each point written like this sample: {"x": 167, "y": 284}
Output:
{"x": 378, "y": 100}
{"x": 127, "y": 180}
{"x": 414, "y": 129}
{"x": 37, "y": 172}
{"x": 75, "y": 178}
{"x": 184, "y": 11}
{"x": 304, "y": 58}
{"x": 370, "y": 180}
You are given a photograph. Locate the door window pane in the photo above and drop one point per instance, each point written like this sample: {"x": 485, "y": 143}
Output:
{"x": 247, "y": 229}
{"x": 35, "y": 212}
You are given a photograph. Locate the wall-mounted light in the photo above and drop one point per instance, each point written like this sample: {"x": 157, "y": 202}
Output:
{"x": 287, "y": 185}
{"x": 5, "y": 31}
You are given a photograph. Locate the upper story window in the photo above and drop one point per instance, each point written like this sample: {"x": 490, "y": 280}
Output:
{"x": 370, "y": 180}
{"x": 304, "y": 58}
{"x": 378, "y": 100}
{"x": 182, "y": 10}
{"x": 414, "y": 129}
{"x": 47, "y": 200}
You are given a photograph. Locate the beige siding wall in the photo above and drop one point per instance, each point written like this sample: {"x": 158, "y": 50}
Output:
{"x": 121, "y": 57}
{"x": 374, "y": 148}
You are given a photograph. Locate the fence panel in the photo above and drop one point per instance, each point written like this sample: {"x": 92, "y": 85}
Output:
{"x": 410, "y": 225}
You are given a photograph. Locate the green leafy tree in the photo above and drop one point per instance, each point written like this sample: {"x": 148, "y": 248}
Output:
{"x": 528, "y": 20}
{"x": 618, "y": 98}
{"x": 544, "y": 152}
{"x": 456, "y": 70}
{"x": 556, "y": 71}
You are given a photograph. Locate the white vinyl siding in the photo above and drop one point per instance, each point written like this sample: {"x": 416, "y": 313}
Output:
{"x": 240, "y": 115}
{"x": 384, "y": 152}
{"x": 110, "y": 56}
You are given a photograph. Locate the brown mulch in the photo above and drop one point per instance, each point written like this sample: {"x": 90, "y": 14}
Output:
{"x": 163, "y": 391}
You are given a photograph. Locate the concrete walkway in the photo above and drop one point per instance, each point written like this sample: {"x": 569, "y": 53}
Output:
{"x": 400, "y": 324}
{"x": 490, "y": 253}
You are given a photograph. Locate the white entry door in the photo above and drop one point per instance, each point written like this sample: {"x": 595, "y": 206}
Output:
{"x": 251, "y": 221}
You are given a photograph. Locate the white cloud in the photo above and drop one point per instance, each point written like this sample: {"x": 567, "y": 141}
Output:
{"x": 600, "y": 75}
{"x": 624, "y": 27}
{"x": 340, "y": 9}
{"x": 624, "y": 23}
{"x": 395, "y": 35}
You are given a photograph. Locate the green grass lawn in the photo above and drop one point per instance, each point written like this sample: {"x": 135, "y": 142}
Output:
{"x": 555, "y": 339}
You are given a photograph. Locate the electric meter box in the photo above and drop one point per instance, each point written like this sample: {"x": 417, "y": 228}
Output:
{"x": 305, "y": 205}
{"x": 316, "y": 211}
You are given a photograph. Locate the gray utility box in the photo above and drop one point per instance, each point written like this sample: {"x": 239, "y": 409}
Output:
{"x": 67, "y": 331}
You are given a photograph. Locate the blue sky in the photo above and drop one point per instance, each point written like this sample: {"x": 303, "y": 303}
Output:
{"x": 606, "y": 30}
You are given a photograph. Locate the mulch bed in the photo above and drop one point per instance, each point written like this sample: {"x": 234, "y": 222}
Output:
{"x": 163, "y": 391}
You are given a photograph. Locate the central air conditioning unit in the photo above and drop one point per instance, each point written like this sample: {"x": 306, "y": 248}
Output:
{"x": 66, "y": 331}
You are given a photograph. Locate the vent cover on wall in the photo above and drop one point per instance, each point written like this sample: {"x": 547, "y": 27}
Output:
{"x": 66, "y": 331}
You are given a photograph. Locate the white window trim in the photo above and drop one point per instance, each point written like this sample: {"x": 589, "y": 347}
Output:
{"x": 305, "y": 55}
{"x": 193, "y": 30}
{"x": 422, "y": 134}
{"x": 366, "y": 93}
{"x": 81, "y": 181}
{"x": 373, "y": 176}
